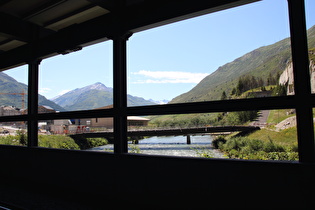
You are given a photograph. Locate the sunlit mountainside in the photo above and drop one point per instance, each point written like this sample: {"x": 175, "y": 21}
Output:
{"x": 261, "y": 62}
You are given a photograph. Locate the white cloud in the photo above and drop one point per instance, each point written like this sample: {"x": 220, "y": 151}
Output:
{"x": 44, "y": 90}
{"x": 169, "y": 77}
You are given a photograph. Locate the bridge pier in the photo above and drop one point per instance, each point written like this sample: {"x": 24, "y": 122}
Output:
{"x": 188, "y": 139}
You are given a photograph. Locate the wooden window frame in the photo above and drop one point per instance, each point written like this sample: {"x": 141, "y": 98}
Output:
{"x": 120, "y": 110}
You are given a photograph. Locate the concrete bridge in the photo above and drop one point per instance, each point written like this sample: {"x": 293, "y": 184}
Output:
{"x": 173, "y": 132}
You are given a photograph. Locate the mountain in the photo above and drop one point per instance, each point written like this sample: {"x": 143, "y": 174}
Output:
{"x": 87, "y": 96}
{"x": 10, "y": 85}
{"x": 93, "y": 96}
{"x": 260, "y": 62}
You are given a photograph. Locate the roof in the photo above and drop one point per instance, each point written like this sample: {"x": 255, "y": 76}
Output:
{"x": 42, "y": 28}
{"x": 106, "y": 107}
{"x": 135, "y": 118}
{"x": 46, "y": 107}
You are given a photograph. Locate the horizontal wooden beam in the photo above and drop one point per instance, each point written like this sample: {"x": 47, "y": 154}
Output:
{"x": 270, "y": 103}
{"x": 15, "y": 28}
{"x": 284, "y": 102}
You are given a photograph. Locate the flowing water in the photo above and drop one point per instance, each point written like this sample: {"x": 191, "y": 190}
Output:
{"x": 171, "y": 146}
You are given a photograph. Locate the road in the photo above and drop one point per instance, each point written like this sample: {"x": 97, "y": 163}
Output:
{"x": 262, "y": 119}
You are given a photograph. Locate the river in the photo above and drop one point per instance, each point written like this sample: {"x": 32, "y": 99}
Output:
{"x": 171, "y": 146}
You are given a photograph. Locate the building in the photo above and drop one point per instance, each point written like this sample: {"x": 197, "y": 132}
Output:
{"x": 41, "y": 178}
{"x": 108, "y": 123}
{"x": 42, "y": 109}
{"x": 137, "y": 121}
{"x": 9, "y": 110}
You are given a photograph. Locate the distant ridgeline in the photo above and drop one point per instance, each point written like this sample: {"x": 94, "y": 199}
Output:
{"x": 11, "y": 94}
{"x": 251, "y": 68}
{"x": 89, "y": 97}
{"x": 94, "y": 96}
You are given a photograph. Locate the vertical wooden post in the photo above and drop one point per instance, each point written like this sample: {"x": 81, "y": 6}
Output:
{"x": 32, "y": 124}
{"x": 120, "y": 92}
{"x": 302, "y": 85}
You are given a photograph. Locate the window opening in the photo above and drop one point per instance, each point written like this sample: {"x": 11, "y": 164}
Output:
{"x": 229, "y": 57}
{"x": 256, "y": 135}
{"x": 13, "y": 133}
{"x": 13, "y": 91}
{"x": 77, "y": 134}
{"x": 81, "y": 80}
{"x": 310, "y": 26}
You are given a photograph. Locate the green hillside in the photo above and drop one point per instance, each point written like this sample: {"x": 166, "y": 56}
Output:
{"x": 260, "y": 62}
{"x": 10, "y": 85}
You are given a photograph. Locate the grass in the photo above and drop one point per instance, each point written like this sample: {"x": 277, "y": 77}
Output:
{"x": 286, "y": 137}
{"x": 276, "y": 116}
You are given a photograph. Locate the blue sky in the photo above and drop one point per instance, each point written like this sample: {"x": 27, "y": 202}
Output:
{"x": 167, "y": 61}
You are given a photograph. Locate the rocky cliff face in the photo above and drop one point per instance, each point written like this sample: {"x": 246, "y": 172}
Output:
{"x": 312, "y": 71}
{"x": 286, "y": 78}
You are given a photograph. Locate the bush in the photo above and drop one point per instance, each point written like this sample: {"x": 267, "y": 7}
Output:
{"x": 19, "y": 139}
{"x": 96, "y": 142}
{"x": 255, "y": 145}
{"x": 218, "y": 141}
{"x": 244, "y": 148}
{"x": 57, "y": 141}
{"x": 22, "y": 137}
{"x": 271, "y": 147}
{"x": 10, "y": 140}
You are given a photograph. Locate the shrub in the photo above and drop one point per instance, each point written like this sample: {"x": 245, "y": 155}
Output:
{"x": 134, "y": 149}
{"x": 22, "y": 137}
{"x": 244, "y": 148}
{"x": 57, "y": 141}
{"x": 218, "y": 141}
{"x": 255, "y": 145}
{"x": 271, "y": 147}
{"x": 9, "y": 140}
{"x": 96, "y": 142}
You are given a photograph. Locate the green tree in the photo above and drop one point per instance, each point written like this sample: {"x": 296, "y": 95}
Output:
{"x": 223, "y": 96}
{"x": 246, "y": 116}
{"x": 279, "y": 90}
{"x": 233, "y": 92}
{"x": 240, "y": 87}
